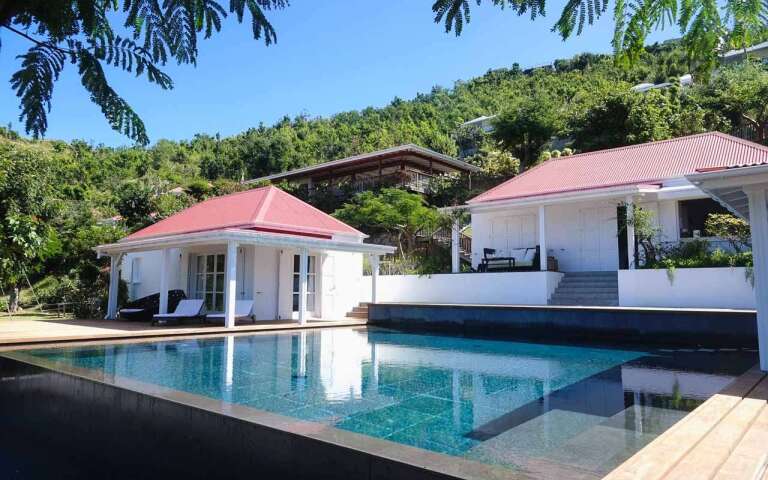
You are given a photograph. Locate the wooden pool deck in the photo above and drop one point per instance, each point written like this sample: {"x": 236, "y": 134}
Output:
{"x": 17, "y": 333}
{"x": 725, "y": 438}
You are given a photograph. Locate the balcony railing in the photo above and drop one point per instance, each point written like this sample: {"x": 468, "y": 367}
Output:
{"x": 411, "y": 179}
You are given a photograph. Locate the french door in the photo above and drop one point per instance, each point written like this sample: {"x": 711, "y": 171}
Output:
{"x": 210, "y": 281}
{"x": 311, "y": 282}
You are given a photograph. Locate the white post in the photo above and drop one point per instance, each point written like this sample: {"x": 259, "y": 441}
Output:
{"x": 114, "y": 283}
{"x": 543, "y": 238}
{"x": 630, "y": 206}
{"x": 374, "y": 275}
{"x": 758, "y": 223}
{"x": 303, "y": 267}
{"x": 164, "y": 280}
{"x": 230, "y": 285}
{"x": 455, "y": 259}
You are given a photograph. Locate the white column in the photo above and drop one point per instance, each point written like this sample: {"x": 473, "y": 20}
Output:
{"x": 630, "y": 205}
{"x": 374, "y": 275}
{"x": 230, "y": 285}
{"x": 164, "y": 280}
{"x": 758, "y": 223}
{"x": 114, "y": 284}
{"x": 303, "y": 267}
{"x": 543, "y": 238}
{"x": 455, "y": 259}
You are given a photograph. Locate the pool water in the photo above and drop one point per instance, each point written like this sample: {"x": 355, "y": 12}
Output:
{"x": 534, "y": 407}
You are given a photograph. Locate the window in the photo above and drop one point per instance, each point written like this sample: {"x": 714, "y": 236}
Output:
{"x": 209, "y": 281}
{"x": 693, "y": 215}
{"x": 311, "y": 279}
{"x": 135, "y": 277}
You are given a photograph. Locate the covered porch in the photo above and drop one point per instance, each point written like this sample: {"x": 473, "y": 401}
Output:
{"x": 574, "y": 232}
{"x": 285, "y": 277}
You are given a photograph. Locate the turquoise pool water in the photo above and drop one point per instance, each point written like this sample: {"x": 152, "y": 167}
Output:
{"x": 531, "y": 406}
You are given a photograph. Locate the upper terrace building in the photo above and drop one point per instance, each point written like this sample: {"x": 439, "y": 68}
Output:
{"x": 408, "y": 166}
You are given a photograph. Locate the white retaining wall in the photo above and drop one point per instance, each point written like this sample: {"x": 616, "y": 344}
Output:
{"x": 689, "y": 288}
{"x": 509, "y": 288}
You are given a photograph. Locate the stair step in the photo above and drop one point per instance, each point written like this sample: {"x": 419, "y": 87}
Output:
{"x": 588, "y": 285}
{"x": 585, "y": 292}
{"x": 588, "y": 302}
{"x": 357, "y": 315}
{"x": 582, "y": 292}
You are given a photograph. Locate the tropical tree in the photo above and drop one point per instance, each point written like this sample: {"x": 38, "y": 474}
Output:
{"x": 740, "y": 94}
{"x": 526, "y": 126}
{"x": 706, "y": 26}
{"x": 136, "y": 36}
{"x": 393, "y": 211}
{"x": 27, "y": 202}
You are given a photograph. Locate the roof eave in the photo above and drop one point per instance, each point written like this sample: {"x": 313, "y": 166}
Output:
{"x": 240, "y": 236}
{"x": 403, "y": 149}
{"x": 567, "y": 196}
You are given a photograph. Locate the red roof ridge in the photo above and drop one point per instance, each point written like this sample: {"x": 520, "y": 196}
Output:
{"x": 658, "y": 142}
{"x": 264, "y": 206}
{"x": 312, "y": 207}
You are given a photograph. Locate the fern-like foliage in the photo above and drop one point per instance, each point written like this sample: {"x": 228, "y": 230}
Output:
{"x": 707, "y": 26}
{"x": 33, "y": 83}
{"x": 454, "y": 14}
{"x": 82, "y": 33}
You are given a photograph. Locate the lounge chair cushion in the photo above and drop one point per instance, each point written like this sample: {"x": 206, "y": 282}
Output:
{"x": 243, "y": 308}
{"x": 185, "y": 308}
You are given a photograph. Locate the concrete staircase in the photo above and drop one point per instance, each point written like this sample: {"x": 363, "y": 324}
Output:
{"x": 587, "y": 289}
{"x": 360, "y": 311}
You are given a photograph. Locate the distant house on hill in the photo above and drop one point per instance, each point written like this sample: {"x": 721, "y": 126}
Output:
{"x": 408, "y": 166}
{"x": 759, "y": 51}
{"x": 484, "y": 123}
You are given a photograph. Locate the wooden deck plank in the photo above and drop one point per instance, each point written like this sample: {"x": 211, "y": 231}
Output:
{"x": 748, "y": 459}
{"x": 706, "y": 458}
{"x": 661, "y": 455}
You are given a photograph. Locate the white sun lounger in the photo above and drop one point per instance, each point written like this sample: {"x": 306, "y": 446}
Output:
{"x": 243, "y": 309}
{"x": 186, "y": 308}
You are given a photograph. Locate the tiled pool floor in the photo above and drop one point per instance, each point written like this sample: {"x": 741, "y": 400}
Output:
{"x": 520, "y": 405}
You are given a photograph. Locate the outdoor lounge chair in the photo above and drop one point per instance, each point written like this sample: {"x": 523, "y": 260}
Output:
{"x": 518, "y": 259}
{"x": 186, "y": 309}
{"x": 243, "y": 309}
{"x": 142, "y": 309}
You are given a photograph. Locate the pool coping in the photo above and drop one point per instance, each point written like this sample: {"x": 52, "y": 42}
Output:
{"x": 430, "y": 462}
{"x": 161, "y": 332}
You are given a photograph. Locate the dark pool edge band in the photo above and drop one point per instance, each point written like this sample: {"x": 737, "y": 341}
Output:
{"x": 401, "y": 461}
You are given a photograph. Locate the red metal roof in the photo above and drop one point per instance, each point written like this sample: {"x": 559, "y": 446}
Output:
{"x": 632, "y": 165}
{"x": 266, "y": 209}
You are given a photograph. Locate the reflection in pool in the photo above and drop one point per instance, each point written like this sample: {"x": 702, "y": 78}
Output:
{"x": 535, "y": 407}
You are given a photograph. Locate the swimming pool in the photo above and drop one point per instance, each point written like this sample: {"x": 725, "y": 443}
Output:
{"x": 532, "y": 407}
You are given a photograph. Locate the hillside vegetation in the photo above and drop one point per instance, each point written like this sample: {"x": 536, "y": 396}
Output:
{"x": 56, "y": 198}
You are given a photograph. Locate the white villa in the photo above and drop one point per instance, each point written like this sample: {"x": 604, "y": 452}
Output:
{"x": 569, "y": 208}
{"x": 291, "y": 259}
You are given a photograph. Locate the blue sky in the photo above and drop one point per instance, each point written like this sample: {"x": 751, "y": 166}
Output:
{"x": 331, "y": 56}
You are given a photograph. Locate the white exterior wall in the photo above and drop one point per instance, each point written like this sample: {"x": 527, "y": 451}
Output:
{"x": 507, "y": 288}
{"x": 264, "y": 274}
{"x": 581, "y": 236}
{"x": 149, "y": 272}
{"x": 689, "y": 288}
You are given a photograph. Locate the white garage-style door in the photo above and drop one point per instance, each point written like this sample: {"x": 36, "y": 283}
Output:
{"x": 518, "y": 231}
{"x": 598, "y": 243}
